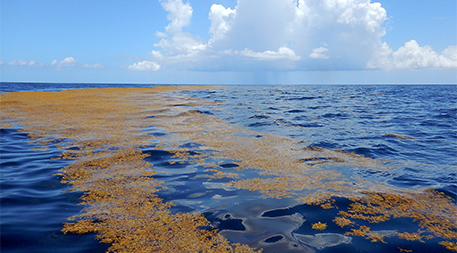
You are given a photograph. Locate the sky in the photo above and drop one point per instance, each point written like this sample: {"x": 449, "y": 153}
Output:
{"x": 229, "y": 41}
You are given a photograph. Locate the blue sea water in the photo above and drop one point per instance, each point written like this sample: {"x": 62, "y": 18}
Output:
{"x": 364, "y": 119}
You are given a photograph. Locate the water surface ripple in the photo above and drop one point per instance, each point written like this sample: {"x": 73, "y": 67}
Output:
{"x": 413, "y": 126}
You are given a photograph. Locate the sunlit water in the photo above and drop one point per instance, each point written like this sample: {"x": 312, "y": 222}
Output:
{"x": 415, "y": 126}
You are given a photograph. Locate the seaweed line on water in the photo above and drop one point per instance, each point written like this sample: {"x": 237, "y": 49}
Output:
{"x": 104, "y": 131}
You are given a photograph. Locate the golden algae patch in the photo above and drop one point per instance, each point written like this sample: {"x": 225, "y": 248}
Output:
{"x": 361, "y": 231}
{"x": 414, "y": 236}
{"x": 404, "y": 250}
{"x": 310, "y": 174}
{"x": 319, "y": 226}
{"x": 102, "y": 130}
{"x": 280, "y": 157}
{"x": 342, "y": 222}
{"x": 433, "y": 211}
{"x": 123, "y": 210}
{"x": 222, "y": 174}
{"x": 452, "y": 246}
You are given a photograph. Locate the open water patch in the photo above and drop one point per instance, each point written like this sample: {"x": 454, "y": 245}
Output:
{"x": 235, "y": 190}
{"x": 34, "y": 203}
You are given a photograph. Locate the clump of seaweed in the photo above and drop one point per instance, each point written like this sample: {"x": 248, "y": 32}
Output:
{"x": 221, "y": 174}
{"x": 414, "y": 236}
{"x": 342, "y": 222}
{"x": 361, "y": 231}
{"x": 434, "y": 212}
{"x": 404, "y": 250}
{"x": 125, "y": 211}
{"x": 365, "y": 231}
{"x": 452, "y": 246}
{"x": 102, "y": 131}
{"x": 377, "y": 237}
{"x": 319, "y": 226}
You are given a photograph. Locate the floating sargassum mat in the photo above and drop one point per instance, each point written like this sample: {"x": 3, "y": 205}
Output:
{"x": 104, "y": 131}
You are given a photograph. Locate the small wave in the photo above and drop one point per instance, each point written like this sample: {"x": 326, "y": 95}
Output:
{"x": 399, "y": 136}
{"x": 406, "y": 181}
{"x": 449, "y": 190}
{"x": 259, "y": 124}
{"x": 308, "y": 125}
{"x": 193, "y": 112}
{"x": 335, "y": 115}
{"x": 296, "y": 111}
{"x": 303, "y": 98}
{"x": 229, "y": 165}
{"x": 274, "y": 239}
{"x": 279, "y": 122}
{"x": 259, "y": 116}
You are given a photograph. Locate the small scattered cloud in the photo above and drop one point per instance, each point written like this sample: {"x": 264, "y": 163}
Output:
{"x": 93, "y": 66}
{"x": 319, "y": 53}
{"x": 67, "y": 62}
{"x": 24, "y": 63}
{"x": 145, "y": 66}
{"x": 33, "y": 63}
{"x": 17, "y": 63}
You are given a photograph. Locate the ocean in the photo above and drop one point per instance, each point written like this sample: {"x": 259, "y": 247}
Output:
{"x": 283, "y": 168}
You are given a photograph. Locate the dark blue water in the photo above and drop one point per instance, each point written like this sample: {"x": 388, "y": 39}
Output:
{"x": 34, "y": 203}
{"x": 414, "y": 125}
{"x": 366, "y": 120}
{"x": 13, "y": 87}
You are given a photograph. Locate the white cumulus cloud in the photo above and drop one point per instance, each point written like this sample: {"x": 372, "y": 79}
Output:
{"x": 174, "y": 41}
{"x": 221, "y": 21}
{"x": 450, "y": 53}
{"x": 287, "y": 34}
{"x": 282, "y": 53}
{"x": 412, "y": 56}
{"x": 156, "y": 54}
{"x": 145, "y": 66}
{"x": 179, "y": 15}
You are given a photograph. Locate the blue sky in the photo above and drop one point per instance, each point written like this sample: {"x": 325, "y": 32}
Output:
{"x": 228, "y": 41}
